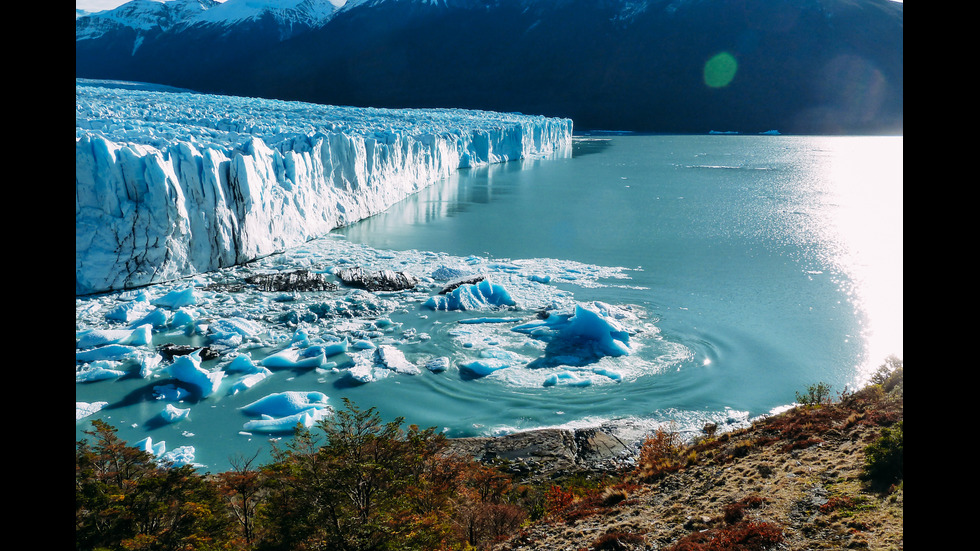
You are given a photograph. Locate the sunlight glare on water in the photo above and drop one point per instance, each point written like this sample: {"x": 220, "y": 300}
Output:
{"x": 861, "y": 179}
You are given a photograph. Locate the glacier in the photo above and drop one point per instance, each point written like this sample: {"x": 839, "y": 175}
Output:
{"x": 170, "y": 183}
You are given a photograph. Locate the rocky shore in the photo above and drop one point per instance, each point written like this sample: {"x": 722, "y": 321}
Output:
{"x": 793, "y": 481}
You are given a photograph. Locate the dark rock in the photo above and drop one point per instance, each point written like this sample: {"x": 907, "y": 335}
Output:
{"x": 546, "y": 452}
{"x": 382, "y": 280}
{"x": 298, "y": 281}
{"x": 169, "y": 351}
{"x": 465, "y": 280}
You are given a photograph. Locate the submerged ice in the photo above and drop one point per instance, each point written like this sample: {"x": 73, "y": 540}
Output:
{"x": 172, "y": 184}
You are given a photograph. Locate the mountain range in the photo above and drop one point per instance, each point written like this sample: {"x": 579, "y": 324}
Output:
{"x": 670, "y": 66}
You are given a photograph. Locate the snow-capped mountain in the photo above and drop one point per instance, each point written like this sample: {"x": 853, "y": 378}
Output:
{"x": 797, "y": 66}
{"x": 141, "y": 16}
{"x": 144, "y": 16}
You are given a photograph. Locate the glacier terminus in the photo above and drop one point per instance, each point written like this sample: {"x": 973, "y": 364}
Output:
{"x": 170, "y": 183}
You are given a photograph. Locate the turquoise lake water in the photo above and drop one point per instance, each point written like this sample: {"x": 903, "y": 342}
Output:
{"x": 751, "y": 267}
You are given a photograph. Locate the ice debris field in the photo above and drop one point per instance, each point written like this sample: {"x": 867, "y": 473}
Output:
{"x": 277, "y": 337}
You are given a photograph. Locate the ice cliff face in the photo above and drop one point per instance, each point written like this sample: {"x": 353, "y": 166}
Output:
{"x": 172, "y": 184}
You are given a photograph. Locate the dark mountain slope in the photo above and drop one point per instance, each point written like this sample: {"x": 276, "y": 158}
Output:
{"x": 797, "y": 66}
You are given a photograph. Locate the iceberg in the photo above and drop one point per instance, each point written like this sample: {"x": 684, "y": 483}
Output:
{"x": 395, "y": 360}
{"x": 98, "y": 370}
{"x": 169, "y": 184}
{"x": 101, "y": 337}
{"x": 84, "y": 409}
{"x": 110, "y": 352}
{"x": 286, "y": 424}
{"x": 172, "y": 414}
{"x": 589, "y": 332}
{"x": 246, "y": 382}
{"x": 149, "y": 447}
{"x": 179, "y": 457}
{"x": 287, "y": 403}
{"x": 474, "y": 296}
{"x": 187, "y": 369}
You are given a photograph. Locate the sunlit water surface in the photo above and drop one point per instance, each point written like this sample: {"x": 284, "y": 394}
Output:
{"x": 752, "y": 267}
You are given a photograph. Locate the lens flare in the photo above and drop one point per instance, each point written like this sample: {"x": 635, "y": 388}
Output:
{"x": 720, "y": 70}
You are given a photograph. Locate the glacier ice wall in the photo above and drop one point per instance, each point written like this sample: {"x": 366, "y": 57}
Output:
{"x": 170, "y": 184}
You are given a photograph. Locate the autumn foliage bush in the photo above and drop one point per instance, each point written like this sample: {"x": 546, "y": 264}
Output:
{"x": 659, "y": 455}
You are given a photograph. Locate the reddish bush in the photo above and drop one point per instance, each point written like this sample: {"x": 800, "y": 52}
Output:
{"x": 735, "y": 512}
{"x": 742, "y": 536}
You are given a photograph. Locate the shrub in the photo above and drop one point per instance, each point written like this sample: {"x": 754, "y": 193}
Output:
{"x": 883, "y": 458}
{"x": 735, "y": 512}
{"x": 742, "y": 536}
{"x": 658, "y": 455}
{"x": 816, "y": 395}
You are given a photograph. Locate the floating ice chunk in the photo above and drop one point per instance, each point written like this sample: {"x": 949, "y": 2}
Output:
{"x": 232, "y": 331}
{"x": 248, "y": 381}
{"x": 149, "y": 364}
{"x": 242, "y": 363}
{"x": 364, "y": 369}
{"x": 98, "y": 370}
{"x": 84, "y": 409}
{"x": 472, "y": 297}
{"x": 491, "y": 360}
{"x": 298, "y": 358}
{"x": 179, "y": 457}
{"x": 612, "y": 374}
{"x": 155, "y": 318}
{"x": 437, "y": 365}
{"x": 363, "y": 344}
{"x": 590, "y": 324}
{"x": 177, "y": 298}
{"x": 567, "y": 378}
{"x": 101, "y": 337}
{"x": 393, "y": 359}
{"x": 540, "y": 278}
{"x": 286, "y": 403}
{"x": 241, "y": 326}
{"x": 485, "y": 366}
{"x": 172, "y": 413}
{"x": 286, "y": 424}
{"x": 149, "y": 447}
{"x": 188, "y": 369}
{"x": 182, "y": 318}
{"x": 113, "y": 352}
{"x": 130, "y": 311}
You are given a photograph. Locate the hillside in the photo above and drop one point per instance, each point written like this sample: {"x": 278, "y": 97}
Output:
{"x": 799, "y": 66}
{"x": 794, "y": 481}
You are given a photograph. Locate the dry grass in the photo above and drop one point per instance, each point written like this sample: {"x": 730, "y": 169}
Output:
{"x": 792, "y": 481}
